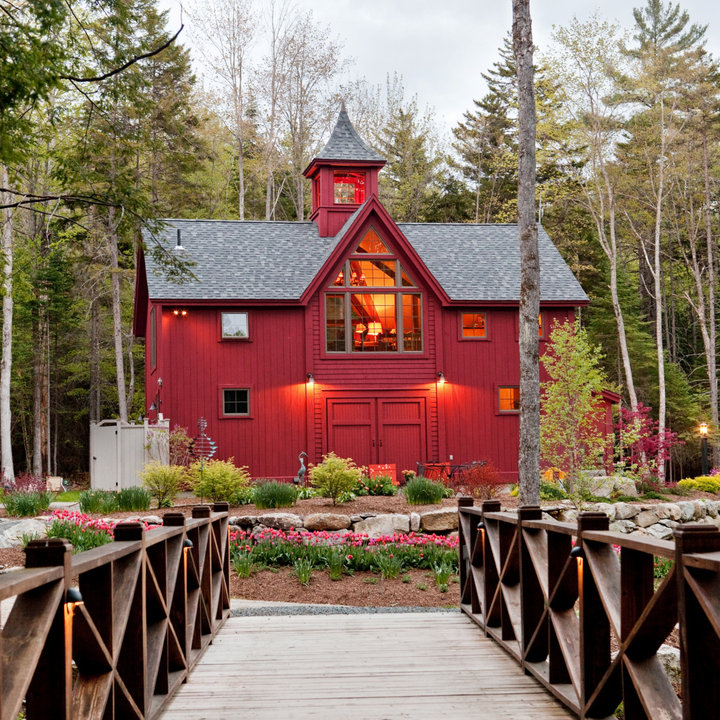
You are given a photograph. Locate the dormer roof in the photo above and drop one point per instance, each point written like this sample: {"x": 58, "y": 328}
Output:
{"x": 346, "y": 144}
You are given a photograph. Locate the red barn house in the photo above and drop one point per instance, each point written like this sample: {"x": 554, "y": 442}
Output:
{"x": 385, "y": 342}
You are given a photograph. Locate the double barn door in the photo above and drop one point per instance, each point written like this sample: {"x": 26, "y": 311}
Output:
{"x": 378, "y": 430}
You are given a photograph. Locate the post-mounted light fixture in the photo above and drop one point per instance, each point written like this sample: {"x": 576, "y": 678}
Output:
{"x": 703, "y": 429}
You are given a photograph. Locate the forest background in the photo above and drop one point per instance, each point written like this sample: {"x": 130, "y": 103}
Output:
{"x": 106, "y": 128}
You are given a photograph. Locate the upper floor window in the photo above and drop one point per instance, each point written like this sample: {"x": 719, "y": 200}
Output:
{"x": 348, "y": 188}
{"x": 474, "y": 325}
{"x": 509, "y": 399}
{"x": 373, "y": 305}
{"x": 234, "y": 325}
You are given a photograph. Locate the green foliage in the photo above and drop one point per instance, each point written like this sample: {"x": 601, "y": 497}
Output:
{"x": 242, "y": 564}
{"x": 335, "y": 476}
{"x": 551, "y": 491}
{"x": 389, "y": 564}
{"x": 274, "y": 494}
{"x": 180, "y": 447}
{"x": 421, "y": 491}
{"x": 336, "y": 563}
{"x": 162, "y": 482}
{"x": 133, "y": 498}
{"x": 571, "y": 436}
{"x": 443, "y": 571}
{"x": 26, "y": 504}
{"x": 303, "y": 567}
{"x": 98, "y": 501}
{"x": 217, "y": 479}
{"x": 378, "y": 485}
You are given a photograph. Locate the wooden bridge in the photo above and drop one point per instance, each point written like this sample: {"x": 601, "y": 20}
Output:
{"x": 559, "y": 620}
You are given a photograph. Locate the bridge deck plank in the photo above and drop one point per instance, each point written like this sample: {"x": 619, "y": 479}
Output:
{"x": 359, "y": 667}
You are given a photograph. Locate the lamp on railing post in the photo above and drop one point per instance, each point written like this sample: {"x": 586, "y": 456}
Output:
{"x": 704, "y": 447}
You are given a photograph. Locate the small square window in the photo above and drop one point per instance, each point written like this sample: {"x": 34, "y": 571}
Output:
{"x": 509, "y": 399}
{"x": 474, "y": 325}
{"x": 236, "y": 401}
{"x": 235, "y": 325}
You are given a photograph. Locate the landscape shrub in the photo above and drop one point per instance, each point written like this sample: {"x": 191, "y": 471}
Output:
{"x": 481, "y": 480}
{"x": 273, "y": 494}
{"x": 133, "y": 498}
{"x": 421, "y": 491}
{"x": 28, "y": 483}
{"x": 551, "y": 491}
{"x": 98, "y": 501}
{"x": 378, "y": 485}
{"x": 162, "y": 482}
{"x": 335, "y": 476}
{"x": 26, "y": 504}
{"x": 704, "y": 483}
{"x": 180, "y": 447}
{"x": 218, "y": 480}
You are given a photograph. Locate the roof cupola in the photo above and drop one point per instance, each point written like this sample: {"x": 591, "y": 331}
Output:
{"x": 343, "y": 174}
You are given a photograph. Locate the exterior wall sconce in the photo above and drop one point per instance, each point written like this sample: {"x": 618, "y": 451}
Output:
{"x": 579, "y": 554}
{"x": 441, "y": 378}
{"x": 177, "y": 312}
{"x": 310, "y": 379}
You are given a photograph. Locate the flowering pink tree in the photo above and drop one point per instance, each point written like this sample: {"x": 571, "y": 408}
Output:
{"x": 643, "y": 449}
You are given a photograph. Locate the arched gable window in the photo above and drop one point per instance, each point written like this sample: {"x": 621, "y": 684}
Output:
{"x": 373, "y": 305}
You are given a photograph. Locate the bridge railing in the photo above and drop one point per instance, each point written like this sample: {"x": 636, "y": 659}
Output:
{"x": 580, "y": 609}
{"x": 112, "y": 632}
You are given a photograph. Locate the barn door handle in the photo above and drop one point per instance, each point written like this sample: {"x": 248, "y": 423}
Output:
{"x": 380, "y": 443}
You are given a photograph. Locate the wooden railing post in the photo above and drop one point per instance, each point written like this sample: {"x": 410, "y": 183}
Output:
{"x": 532, "y": 600}
{"x": 490, "y": 572}
{"x": 594, "y": 623}
{"x": 699, "y": 643}
{"x": 465, "y": 545}
{"x": 132, "y": 663}
{"x": 179, "y": 595}
{"x": 49, "y": 695}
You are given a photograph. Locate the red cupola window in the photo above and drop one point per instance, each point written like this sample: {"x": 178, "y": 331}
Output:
{"x": 348, "y": 188}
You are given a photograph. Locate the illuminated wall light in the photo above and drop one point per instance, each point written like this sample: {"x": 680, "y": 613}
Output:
{"x": 310, "y": 379}
{"x": 177, "y": 312}
{"x": 441, "y": 378}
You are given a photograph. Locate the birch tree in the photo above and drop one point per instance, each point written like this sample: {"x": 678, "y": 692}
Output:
{"x": 529, "y": 453}
{"x": 586, "y": 63}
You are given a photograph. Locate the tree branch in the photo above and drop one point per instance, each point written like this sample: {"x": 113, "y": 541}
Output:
{"x": 132, "y": 61}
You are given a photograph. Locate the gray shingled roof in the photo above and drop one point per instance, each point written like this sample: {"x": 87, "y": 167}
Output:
{"x": 278, "y": 260}
{"x": 241, "y": 260}
{"x": 346, "y": 144}
{"x": 482, "y": 262}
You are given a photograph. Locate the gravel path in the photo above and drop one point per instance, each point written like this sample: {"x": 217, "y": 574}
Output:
{"x": 244, "y": 609}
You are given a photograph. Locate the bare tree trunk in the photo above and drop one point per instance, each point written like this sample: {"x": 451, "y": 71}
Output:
{"x": 710, "y": 353}
{"x": 529, "y": 453}
{"x": 6, "y": 457}
{"x": 657, "y": 289}
{"x": 95, "y": 394}
{"x": 117, "y": 317}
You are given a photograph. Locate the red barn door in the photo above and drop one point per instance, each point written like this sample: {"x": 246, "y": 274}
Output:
{"x": 373, "y": 430}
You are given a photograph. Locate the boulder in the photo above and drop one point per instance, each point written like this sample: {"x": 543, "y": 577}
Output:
{"x": 687, "y": 510}
{"x": 712, "y": 508}
{"x": 13, "y": 529}
{"x": 383, "y": 525}
{"x": 661, "y": 531}
{"x": 645, "y": 518}
{"x": 670, "y": 658}
{"x": 624, "y": 486}
{"x": 326, "y": 521}
{"x": 700, "y": 509}
{"x": 149, "y": 519}
{"x": 280, "y": 521}
{"x": 668, "y": 511}
{"x": 414, "y": 521}
{"x": 625, "y": 511}
{"x": 623, "y": 526}
{"x": 439, "y": 520}
{"x": 243, "y": 520}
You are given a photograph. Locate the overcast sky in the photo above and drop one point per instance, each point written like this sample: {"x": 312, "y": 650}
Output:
{"x": 440, "y": 47}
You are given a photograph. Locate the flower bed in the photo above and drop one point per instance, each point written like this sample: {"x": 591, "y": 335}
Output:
{"x": 82, "y": 531}
{"x": 343, "y": 553}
